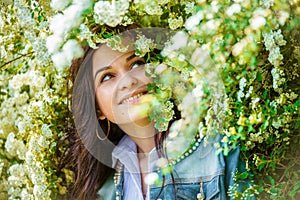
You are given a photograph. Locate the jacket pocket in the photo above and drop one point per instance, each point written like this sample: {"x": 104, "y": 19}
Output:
{"x": 189, "y": 191}
{"x": 211, "y": 189}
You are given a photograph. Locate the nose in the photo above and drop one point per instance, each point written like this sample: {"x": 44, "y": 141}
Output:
{"x": 127, "y": 81}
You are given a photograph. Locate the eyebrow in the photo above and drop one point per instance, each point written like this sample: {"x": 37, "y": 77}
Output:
{"x": 102, "y": 69}
{"x": 131, "y": 57}
{"x": 109, "y": 67}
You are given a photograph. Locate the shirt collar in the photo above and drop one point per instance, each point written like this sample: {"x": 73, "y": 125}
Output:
{"x": 126, "y": 153}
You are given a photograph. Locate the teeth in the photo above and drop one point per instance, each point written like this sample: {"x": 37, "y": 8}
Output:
{"x": 132, "y": 98}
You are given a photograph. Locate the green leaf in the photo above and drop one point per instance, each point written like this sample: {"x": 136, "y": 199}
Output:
{"x": 261, "y": 166}
{"x": 295, "y": 190}
{"x": 265, "y": 94}
{"x": 243, "y": 175}
{"x": 271, "y": 179}
{"x": 158, "y": 38}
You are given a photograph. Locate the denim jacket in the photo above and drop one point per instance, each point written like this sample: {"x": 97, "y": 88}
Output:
{"x": 203, "y": 174}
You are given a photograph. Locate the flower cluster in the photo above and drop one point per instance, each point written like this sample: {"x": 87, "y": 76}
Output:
{"x": 112, "y": 13}
{"x": 61, "y": 24}
{"x": 32, "y": 99}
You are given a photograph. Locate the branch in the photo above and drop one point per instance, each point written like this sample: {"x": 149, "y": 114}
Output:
{"x": 22, "y": 55}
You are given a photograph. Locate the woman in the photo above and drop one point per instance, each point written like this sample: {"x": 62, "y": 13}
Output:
{"x": 108, "y": 86}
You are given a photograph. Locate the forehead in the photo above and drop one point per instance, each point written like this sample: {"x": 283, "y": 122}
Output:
{"x": 105, "y": 56}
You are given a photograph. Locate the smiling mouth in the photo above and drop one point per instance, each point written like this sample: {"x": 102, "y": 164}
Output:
{"x": 133, "y": 99}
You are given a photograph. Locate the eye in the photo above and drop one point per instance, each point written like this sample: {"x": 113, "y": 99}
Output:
{"x": 106, "y": 77}
{"x": 137, "y": 64}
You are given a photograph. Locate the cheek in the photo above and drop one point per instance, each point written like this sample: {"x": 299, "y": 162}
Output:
{"x": 144, "y": 78}
{"x": 104, "y": 101}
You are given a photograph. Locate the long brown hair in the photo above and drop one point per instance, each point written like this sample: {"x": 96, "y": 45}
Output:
{"x": 90, "y": 173}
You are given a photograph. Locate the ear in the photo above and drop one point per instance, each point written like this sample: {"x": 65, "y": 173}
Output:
{"x": 101, "y": 117}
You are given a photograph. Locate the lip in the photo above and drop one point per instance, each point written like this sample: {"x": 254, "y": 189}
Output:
{"x": 142, "y": 90}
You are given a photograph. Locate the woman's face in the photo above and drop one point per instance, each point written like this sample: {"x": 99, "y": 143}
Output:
{"x": 120, "y": 81}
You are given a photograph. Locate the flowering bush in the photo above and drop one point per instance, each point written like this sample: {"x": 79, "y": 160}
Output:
{"x": 33, "y": 106}
{"x": 231, "y": 66}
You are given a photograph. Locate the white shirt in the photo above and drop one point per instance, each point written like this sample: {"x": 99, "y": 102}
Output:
{"x": 126, "y": 153}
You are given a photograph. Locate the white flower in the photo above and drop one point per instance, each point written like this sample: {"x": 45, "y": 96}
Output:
{"x": 21, "y": 149}
{"x": 162, "y": 2}
{"x": 175, "y": 23}
{"x": 275, "y": 57}
{"x": 33, "y": 146}
{"x": 46, "y": 131}
{"x": 283, "y": 16}
{"x": 215, "y": 6}
{"x": 60, "y": 61}
{"x": 278, "y": 78}
{"x": 26, "y": 195}
{"x": 181, "y": 57}
{"x": 9, "y": 144}
{"x": 72, "y": 50}
{"x": 1, "y": 23}
{"x": 58, "y": 24}
{"x": 234, "y": 8}
{"x": 25, "y": 18}
{"x": 267, "y": 3}
{"x": 153, "y": 8}
{"x": 86, "y": 34}
{"x": 30, "y": 157}
{"x": 213, "y": 24}
{"x": 160, "y": 68}
{"x": 1, "y": 166}
{"x": 17, "y": 170}
{"x": 151, "y": 178}
{"x": 61, "y": 24}
{"x": 15, "y": 181}
{"x": 110, "y": 13}
{"x": 21, "y": 98}
{"x": 162, "y": 162}
{"x": 249, "y": 91}
{"x": 190, "y": 8}
{"x": 175, "y": 128}
{"x": 269, "y": 41}
{"x": 257, "y": 21}
{"x": 239, "y": 47}
{"x": 179, "y": 40}
{"x": 201, "y": 60}
{"x": 242, "y": 83}
{"x": 84, "y": 4}
{"x": 41, "y": 192}
{"x": 21, "y": 127}
{"x": 193, "y": 21}
{"x": 53, "y": 43}
{"x": 73, "y": 16}
{"x": 279, "y": 37}
{"x": 143, "y": 45}
{"x": 42, "y": 141}
{"x": 198, "y": 91}
{"x": 59, "y": 4}
{"x": 36, "y": 174}
{"x": 14, "y": 83}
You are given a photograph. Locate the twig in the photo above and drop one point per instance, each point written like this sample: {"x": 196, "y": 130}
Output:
{"x": 22, "y": 55}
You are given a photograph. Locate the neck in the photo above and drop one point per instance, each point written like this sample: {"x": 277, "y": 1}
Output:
{"x": 144, "y": 145}
{"x": 143, "y": 136}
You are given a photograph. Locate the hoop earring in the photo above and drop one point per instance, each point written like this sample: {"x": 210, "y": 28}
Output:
{"x": 108, "y": 131}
